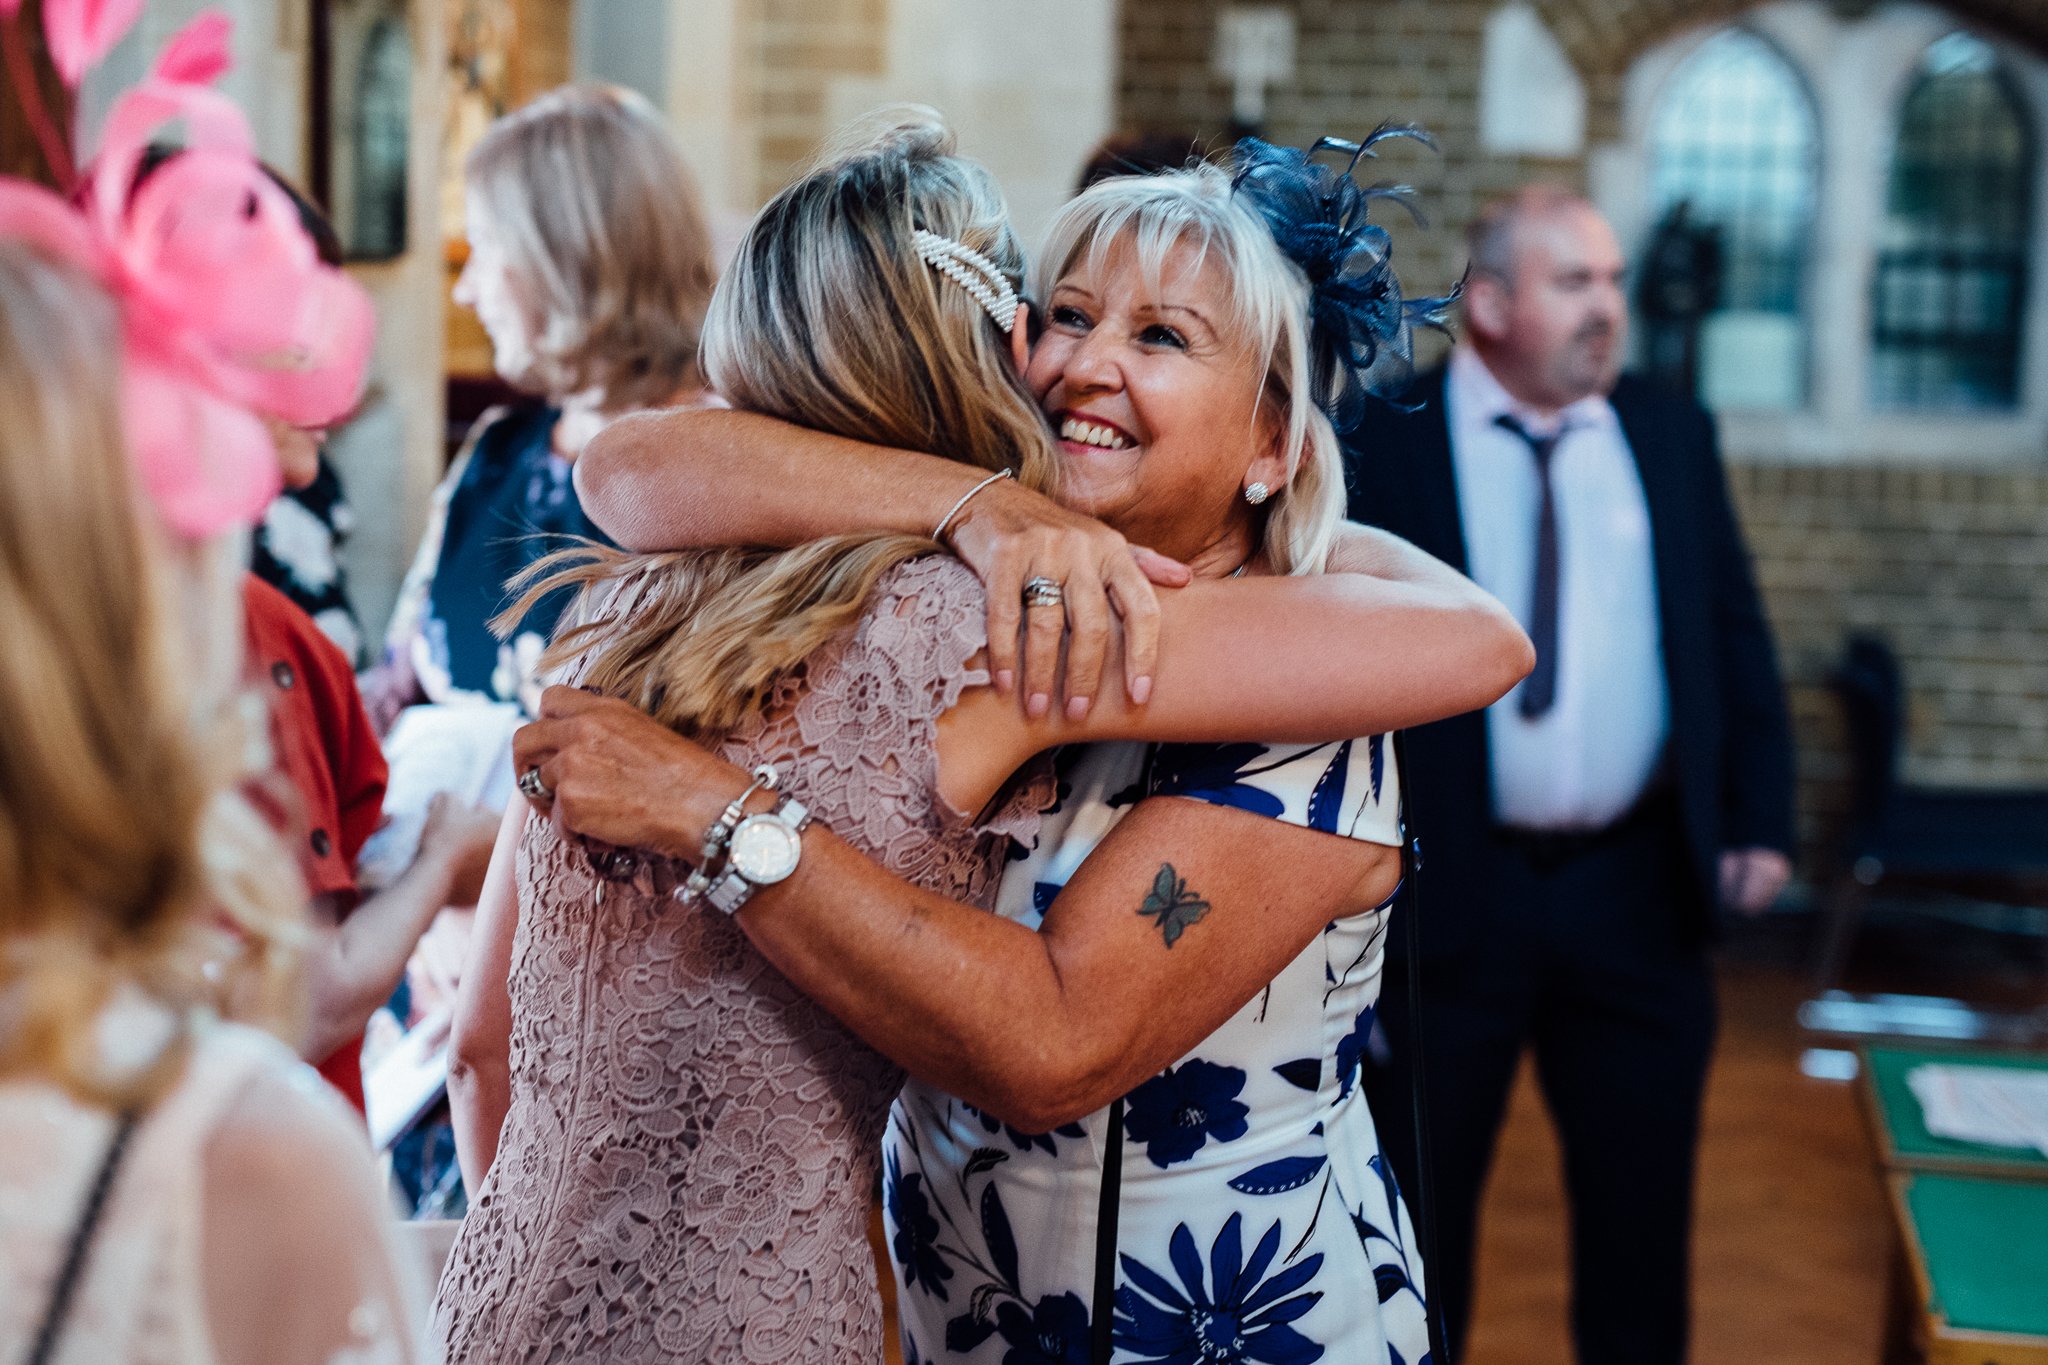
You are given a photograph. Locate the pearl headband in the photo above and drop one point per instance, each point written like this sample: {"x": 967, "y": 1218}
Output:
{"x": 972, "y": 271}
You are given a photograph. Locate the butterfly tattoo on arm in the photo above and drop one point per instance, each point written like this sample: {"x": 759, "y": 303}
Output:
{"x": 1172, "y": 905}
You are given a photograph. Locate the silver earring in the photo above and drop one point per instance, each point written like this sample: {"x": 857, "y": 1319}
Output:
{"x": 1257, "y": 493}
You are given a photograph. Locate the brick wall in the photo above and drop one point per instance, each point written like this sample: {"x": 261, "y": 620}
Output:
{"x": 1951, "y": 564}
{"x": 1360, "y": 62}
{"x": 799, "y": 47}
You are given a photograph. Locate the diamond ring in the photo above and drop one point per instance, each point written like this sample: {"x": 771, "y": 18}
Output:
{"x": 1041, "y": 591}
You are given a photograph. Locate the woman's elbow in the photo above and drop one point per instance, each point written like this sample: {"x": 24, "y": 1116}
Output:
{"x": 602, "y": 470}
{"x": 475, "y": 1064}
{"x": 1496, "y": 655}
{"x": 1515, "y": 653}
{"x": 1049, "y": 1095}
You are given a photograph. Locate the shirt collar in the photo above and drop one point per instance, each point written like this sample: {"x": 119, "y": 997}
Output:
{"x": 1489, "y": 399}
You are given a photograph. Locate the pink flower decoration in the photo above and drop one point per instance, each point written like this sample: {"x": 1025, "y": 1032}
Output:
{"x": 198, "y": 54}
{"x": 82, "y": 32}
{"x": 226, "y": 310}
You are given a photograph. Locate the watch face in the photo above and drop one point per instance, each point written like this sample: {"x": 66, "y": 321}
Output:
{"x": 764, "y": 850}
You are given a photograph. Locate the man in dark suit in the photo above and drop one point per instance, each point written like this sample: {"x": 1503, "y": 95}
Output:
{"x": 1579, "y": 835}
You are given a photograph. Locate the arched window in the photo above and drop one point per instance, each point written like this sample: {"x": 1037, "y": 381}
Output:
{"x": 1951, "y": 282}
{"x": 1734, "y": 166}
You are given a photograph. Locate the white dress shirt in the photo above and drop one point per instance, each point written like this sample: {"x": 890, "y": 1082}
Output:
{"x": 1583, "y": 763}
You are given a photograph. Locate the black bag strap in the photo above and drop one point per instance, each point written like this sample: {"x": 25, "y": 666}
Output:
{"x": 1424, "y": 1212}
{"x": 1102, "y": 1309}
{"x": 1109, "y": 1204}
{"x": 73, "y": 1269}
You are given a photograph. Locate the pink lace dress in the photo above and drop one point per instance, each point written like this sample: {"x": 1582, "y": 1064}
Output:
{"x": 686, "y": 1168}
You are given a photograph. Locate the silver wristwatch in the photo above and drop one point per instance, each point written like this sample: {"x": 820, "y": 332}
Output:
{"x": 711, "y": 863}
{"x": 762, "y": 850}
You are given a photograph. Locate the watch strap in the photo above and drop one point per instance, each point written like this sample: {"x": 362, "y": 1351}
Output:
{"x": 728, "y": 888}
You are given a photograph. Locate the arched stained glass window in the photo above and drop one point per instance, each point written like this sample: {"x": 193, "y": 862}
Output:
{"x": 1951, "y": 282}
{"x": 1735, "y": 163}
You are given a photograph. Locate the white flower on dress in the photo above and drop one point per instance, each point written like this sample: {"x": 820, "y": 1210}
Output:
{"x": 337, "y": 625}
{"x": 301, "y": 542}
{"x": 514, "y": 679}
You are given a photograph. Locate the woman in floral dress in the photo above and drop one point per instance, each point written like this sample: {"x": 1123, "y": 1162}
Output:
{"x": 1211, "y": 956}
{"x": 683, "y": 1170}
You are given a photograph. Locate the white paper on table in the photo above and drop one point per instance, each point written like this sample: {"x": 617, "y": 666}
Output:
{"x": 407, "y": 1080}
{"x": 1994, "y": 1106}
{"x": 462, "y": 748}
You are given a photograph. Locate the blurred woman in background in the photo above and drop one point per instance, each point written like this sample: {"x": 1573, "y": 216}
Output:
{"x": 590, "y": 267}
{"x": 175, "y": 1188}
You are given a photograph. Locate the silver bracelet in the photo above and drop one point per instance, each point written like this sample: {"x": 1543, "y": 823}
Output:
{"x": 711, "y": 863}
{"x": 947, "y": 520}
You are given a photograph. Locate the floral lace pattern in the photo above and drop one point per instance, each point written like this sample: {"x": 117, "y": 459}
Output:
{"x": 685, "y": 1169}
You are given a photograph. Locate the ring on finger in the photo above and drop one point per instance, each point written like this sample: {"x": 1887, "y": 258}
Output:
{"x": 1040, "y": 591}
{"x": 531, "y": 785}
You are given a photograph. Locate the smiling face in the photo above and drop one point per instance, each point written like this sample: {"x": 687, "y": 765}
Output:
{"x": 487, "y": 288}
{"x": 1156, "y": 402}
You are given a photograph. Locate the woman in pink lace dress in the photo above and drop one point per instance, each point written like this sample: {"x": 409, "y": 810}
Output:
{"x": 680, "y": 1146}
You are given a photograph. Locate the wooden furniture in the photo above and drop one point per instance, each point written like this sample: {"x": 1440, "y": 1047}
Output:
{"x": 1970, "y": 1279}
{"x": 1902, "y": 1140}
{"x": 1976, "y": 1263}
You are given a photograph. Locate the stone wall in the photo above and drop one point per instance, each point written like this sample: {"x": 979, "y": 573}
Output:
{"x": 1950, "y": 561}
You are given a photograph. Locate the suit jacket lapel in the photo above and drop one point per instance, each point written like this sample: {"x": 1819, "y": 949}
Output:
{"x": 1438, "y": 526}
{"x": 1660, "y": 473}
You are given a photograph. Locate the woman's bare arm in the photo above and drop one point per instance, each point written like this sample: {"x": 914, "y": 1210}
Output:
{"x": 356, "y": 962}
{"x": 713, "y": 476}
{"x": 1286, "y": 659}
{"x": 1037, "y": 1027}
{"x": 692, "y": 477}
{"x": 480, "y": 1039}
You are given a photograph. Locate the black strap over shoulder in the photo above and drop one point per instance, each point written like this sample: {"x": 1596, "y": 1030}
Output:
{"x": 73, "y": 1269}
{"x": 1102, "y": 1308}
{"x": 1424, "y": 1212}
{"x": 1109, "y": 1205}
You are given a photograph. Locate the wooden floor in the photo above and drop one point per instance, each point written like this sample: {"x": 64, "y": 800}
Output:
{"x": 1790, "y": 1250}
{"x": 1791, "y": 1246}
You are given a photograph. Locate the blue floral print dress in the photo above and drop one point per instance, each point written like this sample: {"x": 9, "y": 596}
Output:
{"x": 1260, "y": 1222}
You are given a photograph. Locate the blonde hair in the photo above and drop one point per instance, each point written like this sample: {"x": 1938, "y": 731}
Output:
{"x": 122, "y": 844}
{"x": 606, "y": 240}
{"x": 1269, "y": 298}
{"x": 827, "y": 318}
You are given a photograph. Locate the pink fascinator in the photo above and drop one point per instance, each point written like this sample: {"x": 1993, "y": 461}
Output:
{"x": 228, "y": 315}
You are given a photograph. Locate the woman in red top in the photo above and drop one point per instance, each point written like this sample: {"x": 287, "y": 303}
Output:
{"x": 331, "y": 797}
{"x": 326, "y": 753}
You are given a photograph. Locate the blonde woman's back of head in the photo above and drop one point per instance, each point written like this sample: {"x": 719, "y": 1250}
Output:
{"x": 829, "y": 318}
{"x": 118, "y": 843}
{"x": 607, "y": 239}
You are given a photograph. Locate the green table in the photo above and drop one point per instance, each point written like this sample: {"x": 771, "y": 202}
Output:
{"x": 1903, "y": 1140}
{"x": 1977, "y": 1250}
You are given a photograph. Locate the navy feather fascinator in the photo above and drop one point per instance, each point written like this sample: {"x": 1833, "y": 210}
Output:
{"x": 1360, "y": 327}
